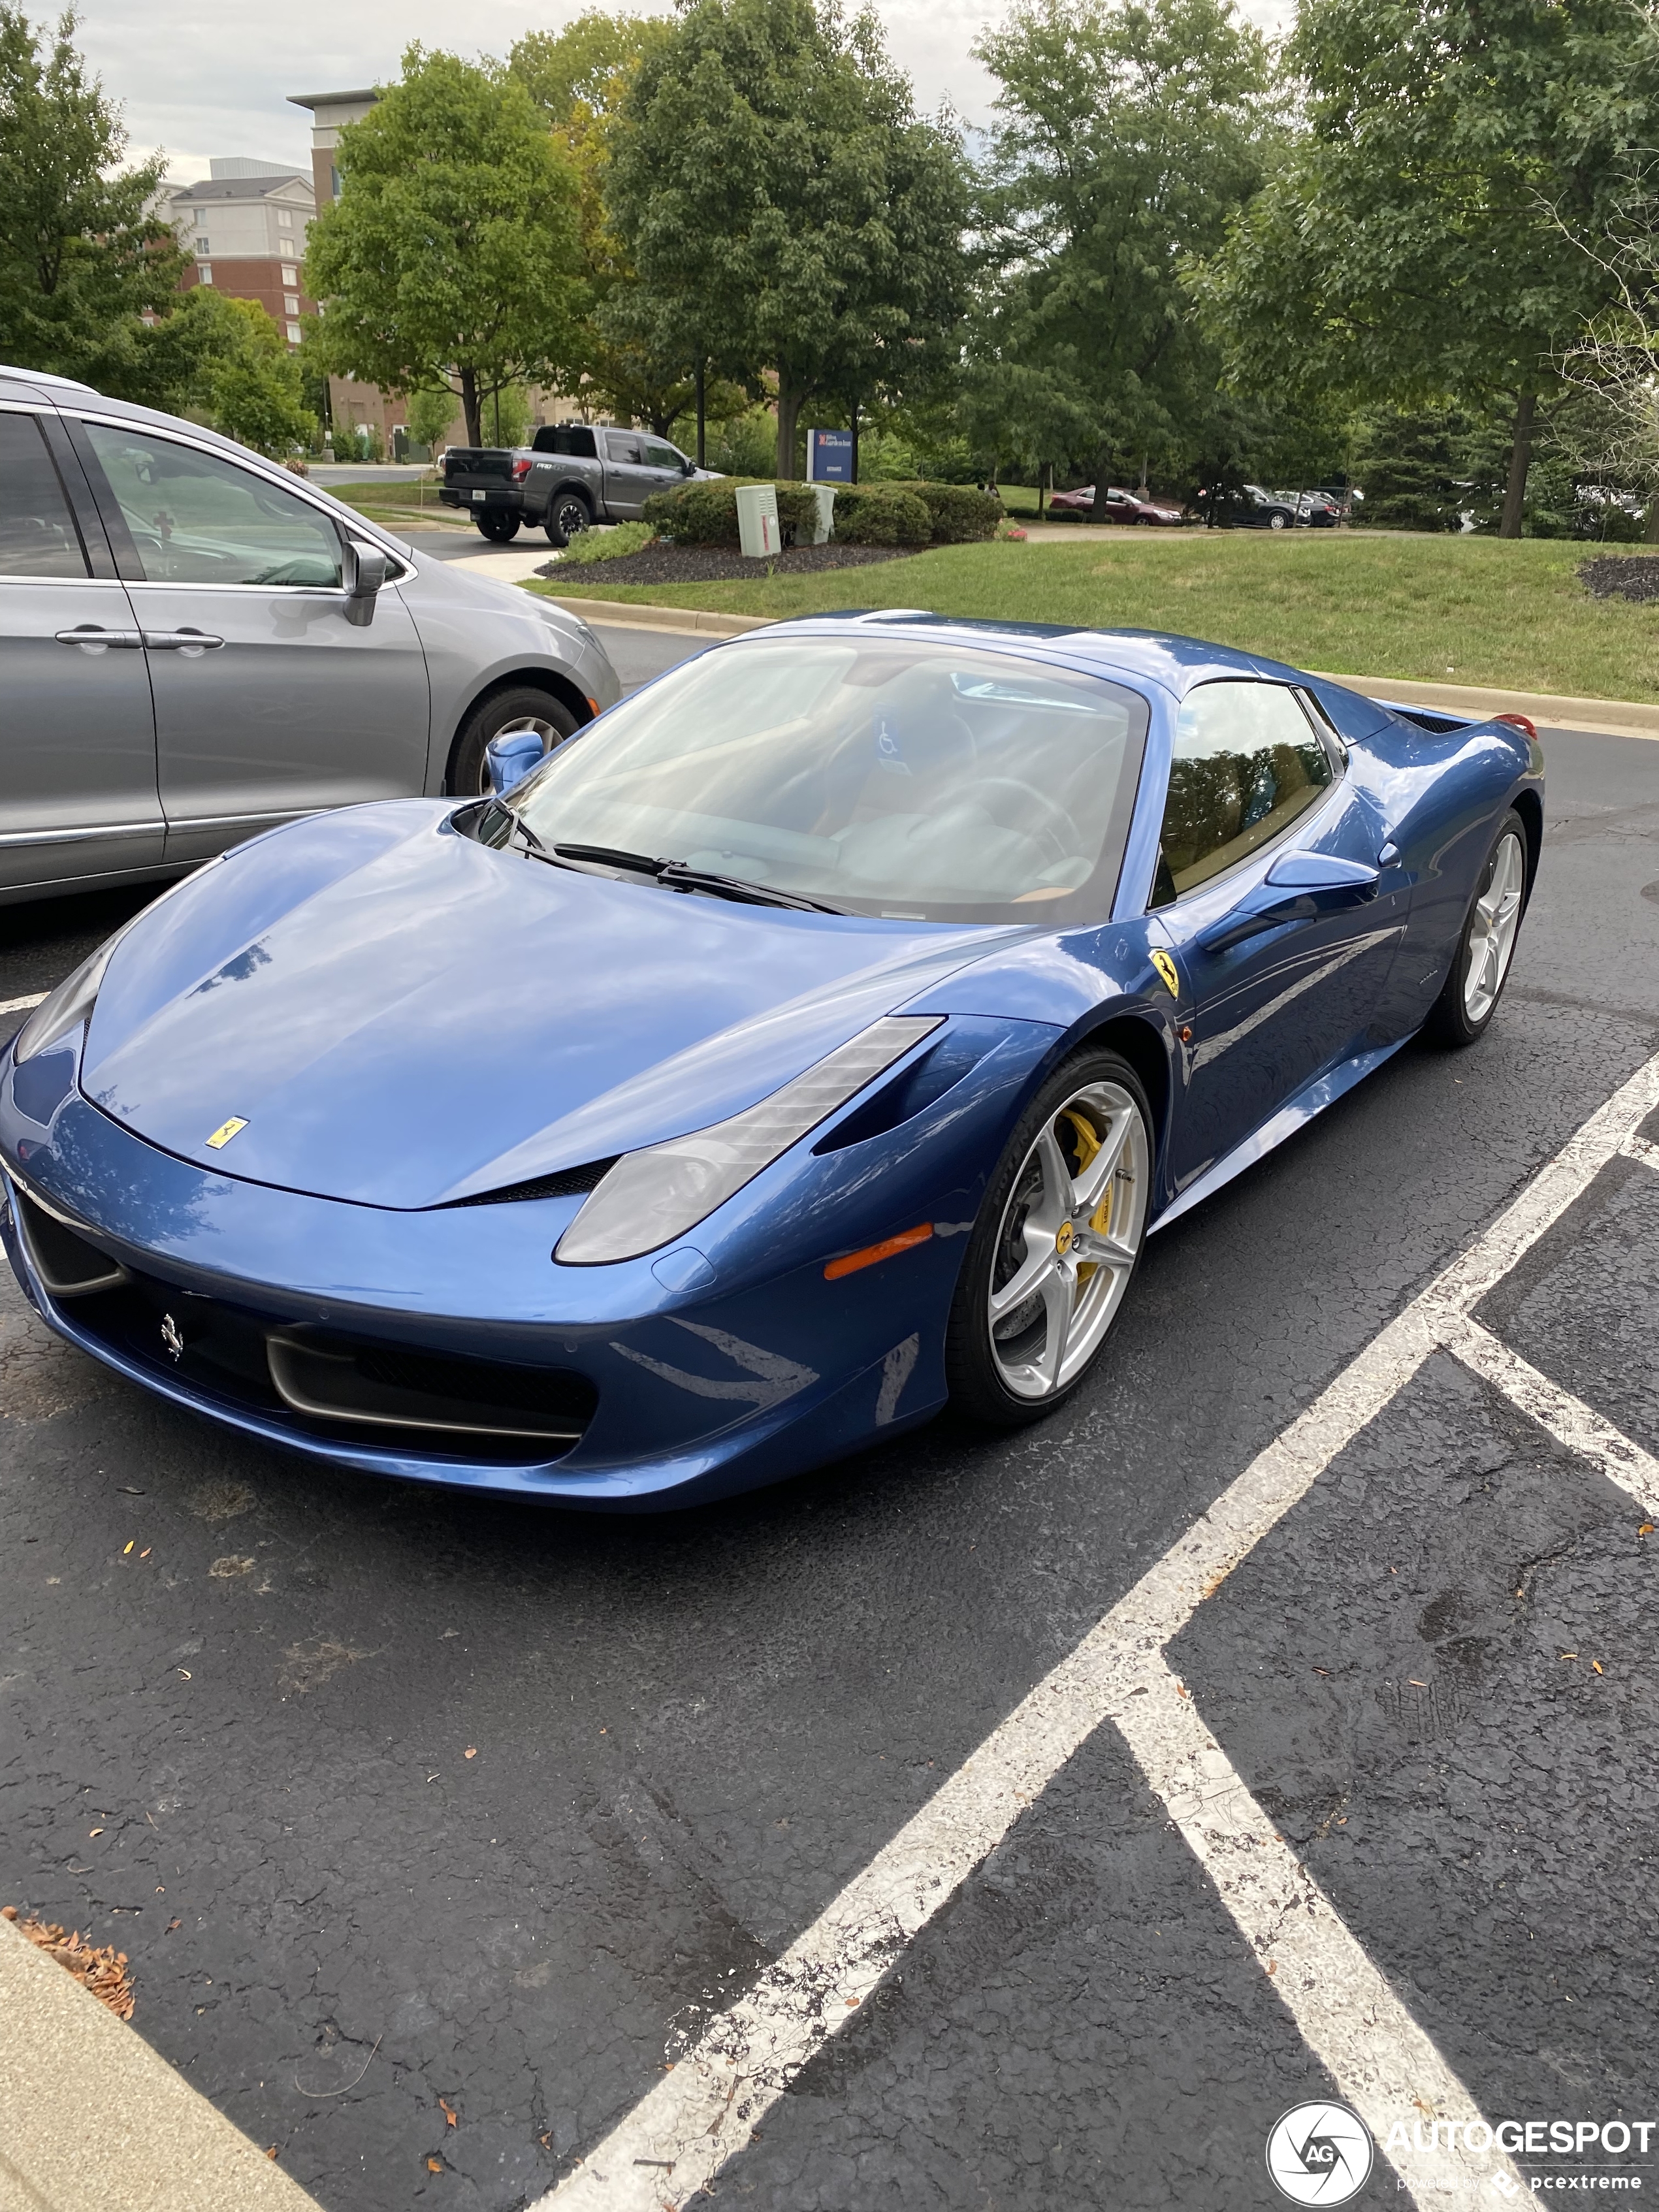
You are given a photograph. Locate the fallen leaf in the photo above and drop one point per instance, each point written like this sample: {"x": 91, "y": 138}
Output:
{"x": 171, "y": 1925}
{"x": 145, "y": 1553}
{"x": 99, "y": 1968}
{"x": 472, "y": 1751}
{"x": 1181, "y": 1691}
{"x": 1596, "y": 1665}
{"x": 449, "y": 2112}
{"x": 434, "y": 2165}
{"x": 127, "y": 1546}
{"x": 272, "y": 2153}
{"x": 95, "y": 1831}
{"x": 1273, "y": 1966}
{"x": 131, "y": 1490}
{"x": 1646, "y": 1528}
{"x": 851, "y": 2002}
{"x": 1569, "y": 1655}
{"x": 1415, "y": 1684}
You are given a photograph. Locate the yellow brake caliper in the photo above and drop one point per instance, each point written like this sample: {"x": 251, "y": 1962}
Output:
{"x": 1088, "y": 1144}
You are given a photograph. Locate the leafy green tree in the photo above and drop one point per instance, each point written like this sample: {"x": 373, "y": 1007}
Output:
{"x": 1426, "y": 235}
{"x": 430, "y": 414}
{"x": 1128, "y": 132}
{"x": 224, "y": 362}
{"x": 453, "y": 254}
{"x": 786, "y": 210}
{"x": 1413, "y": 465}
{"x": 82, "y": 256}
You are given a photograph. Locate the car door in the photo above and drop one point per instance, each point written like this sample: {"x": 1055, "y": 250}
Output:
{"x": 665, "y": 465}
{"x": 628, "y": 482}
{"x": 271, "y": 701}
{"x": 1254, "y": 776}
{"x": 78, "y": 795}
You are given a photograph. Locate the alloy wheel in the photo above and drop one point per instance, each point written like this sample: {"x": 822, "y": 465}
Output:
{"x": 1068, "y": 1240}
{"x": 1492, "y": 929}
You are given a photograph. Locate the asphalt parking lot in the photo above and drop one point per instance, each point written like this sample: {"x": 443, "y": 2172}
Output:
{"x": 408, "y": 1806}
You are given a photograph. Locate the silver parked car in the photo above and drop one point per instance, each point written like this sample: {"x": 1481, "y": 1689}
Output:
{"x": 195, "y": 646}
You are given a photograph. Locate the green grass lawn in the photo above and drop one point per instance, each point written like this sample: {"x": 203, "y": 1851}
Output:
{"x": 1472, "y": 610}
{"x": 398, "y": 504}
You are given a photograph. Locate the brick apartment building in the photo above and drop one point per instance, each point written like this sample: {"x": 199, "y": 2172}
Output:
{"x": 244, "y": 226}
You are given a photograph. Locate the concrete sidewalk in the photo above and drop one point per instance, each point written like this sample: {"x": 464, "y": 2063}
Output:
{"x": 92, "y": 2120}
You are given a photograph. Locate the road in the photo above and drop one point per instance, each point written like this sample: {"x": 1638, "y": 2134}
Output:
{"x": 404, "y": 1804}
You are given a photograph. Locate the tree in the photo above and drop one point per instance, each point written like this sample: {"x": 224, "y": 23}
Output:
{"x": 430, "y": 414}
{"x": 254, "y": 387}
{"x": 1128, "y": 132}
{"x": 81, "y": 257}
{"x": 786, "y": 210}
{"x": 452, "y": 255}
{"x": 1420, "y": 242}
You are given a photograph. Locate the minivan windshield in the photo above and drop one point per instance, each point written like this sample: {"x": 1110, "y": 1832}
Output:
{"x": 889, "y": 776}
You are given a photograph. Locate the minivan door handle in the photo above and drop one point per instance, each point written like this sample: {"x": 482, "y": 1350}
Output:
{"x": 94, "y": 637}
{"x": 192, "y": 642}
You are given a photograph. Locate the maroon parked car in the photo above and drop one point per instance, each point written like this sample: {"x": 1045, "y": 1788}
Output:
{"x": 1121, "y": 506}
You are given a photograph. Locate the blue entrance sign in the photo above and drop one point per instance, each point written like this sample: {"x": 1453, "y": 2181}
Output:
{"x": 829, "y": 457}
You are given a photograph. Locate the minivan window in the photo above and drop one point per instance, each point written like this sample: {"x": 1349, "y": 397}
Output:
{"x": 37, "y": 536}
{"x": 197, "y": 519}
{"x": 1246, "y": 763}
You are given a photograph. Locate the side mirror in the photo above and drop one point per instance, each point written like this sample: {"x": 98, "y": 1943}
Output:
{"x": 364, "y": 569}
{"x": 687, "y": 468}
{"x": 510, "y": 757}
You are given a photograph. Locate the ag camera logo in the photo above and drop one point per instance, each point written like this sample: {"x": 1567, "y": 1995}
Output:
{"x": 1320, "y": 2154}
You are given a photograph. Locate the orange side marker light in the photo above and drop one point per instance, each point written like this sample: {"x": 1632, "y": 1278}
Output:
{"x": 884, "y": 1250}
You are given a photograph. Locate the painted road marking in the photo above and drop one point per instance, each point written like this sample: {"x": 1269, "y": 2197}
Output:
{"x": 21, "y": 1006}
{"x": 704, "y": 2111}
{"x": 1567, "y": 1418}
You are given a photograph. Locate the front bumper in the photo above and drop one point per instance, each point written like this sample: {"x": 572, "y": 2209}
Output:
{"x": 688, "y": 1396}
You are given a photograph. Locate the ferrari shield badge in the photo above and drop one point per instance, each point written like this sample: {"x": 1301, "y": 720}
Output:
{"x": 225, "y": 1130}
{"x": 1169, "y": 974}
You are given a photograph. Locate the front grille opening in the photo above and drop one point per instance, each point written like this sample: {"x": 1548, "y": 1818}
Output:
{"x": 383, "y": 1386}
{"x": 569, "y": 1183}
{"x": 316, "y": 1382}
{"x": 68, "y": 1265}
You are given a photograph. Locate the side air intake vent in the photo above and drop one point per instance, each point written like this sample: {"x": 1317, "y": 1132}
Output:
{"x": 68, "y": 1267}
{"x": 569, "y": 1183}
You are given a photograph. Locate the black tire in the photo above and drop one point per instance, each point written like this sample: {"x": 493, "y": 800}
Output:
{"x": 498, "y": 526}
{"x": 976, "y": 1375}
{"x": 567, "y": 515}
{"x": 1278, "y": 521}
{"x": 1453, "y": 1020}
{"x": 523, "y": 705}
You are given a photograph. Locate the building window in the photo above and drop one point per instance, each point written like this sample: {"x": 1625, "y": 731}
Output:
{"x": 204, "y": 271}
{"x": 293, "y": 334}
{"x": 284, "y": 219}
{"x": 285, "y": 245}
{"x": 202, "y": 246}
{"x": 290, "y": 304}
{"x": 334, "y": 181}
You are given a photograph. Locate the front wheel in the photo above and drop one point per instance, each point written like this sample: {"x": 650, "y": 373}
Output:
{"x": 1276, "y": 521}
{"x": 1481, "y": 966}
{"x": 566, "y": 517}
{"x": 523, "y": 707}
{"x": 500, "y": 528}
{"x": 1056, "y": 1246}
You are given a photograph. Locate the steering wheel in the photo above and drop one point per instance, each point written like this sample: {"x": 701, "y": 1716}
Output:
{"x": 1058, "y": 825}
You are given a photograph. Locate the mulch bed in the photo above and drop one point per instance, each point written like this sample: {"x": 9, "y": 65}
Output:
{"x": 1621, "y": 577}
{"x": 716, "y": 564}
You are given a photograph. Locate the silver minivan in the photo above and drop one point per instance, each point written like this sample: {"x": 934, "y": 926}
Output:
{"x": 196, "y": 645}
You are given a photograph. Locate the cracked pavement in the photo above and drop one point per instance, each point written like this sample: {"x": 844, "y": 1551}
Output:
{"x": 408, "y": 1800}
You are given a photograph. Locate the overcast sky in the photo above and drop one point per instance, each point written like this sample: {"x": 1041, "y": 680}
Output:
{"x": 200, "y": 81}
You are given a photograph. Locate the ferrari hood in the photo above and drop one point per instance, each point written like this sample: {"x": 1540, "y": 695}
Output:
{"x": 400, "y": 1017}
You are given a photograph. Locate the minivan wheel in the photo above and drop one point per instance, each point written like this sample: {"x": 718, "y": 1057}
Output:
{"x": 500, "y": 528}
{"x": 523, "y": 707}
{"x": 568, "y": 516}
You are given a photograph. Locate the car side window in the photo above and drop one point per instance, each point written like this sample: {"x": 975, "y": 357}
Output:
{"x": 662, "y": 457}
{"x": 1246, "y": 763}
{"x": 37, "y": 536}
{"x": 621, "y": 448}
{"x": 195, "y": 519}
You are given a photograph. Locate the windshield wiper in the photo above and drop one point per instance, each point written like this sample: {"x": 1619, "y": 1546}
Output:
{"x": 683, "y": 877}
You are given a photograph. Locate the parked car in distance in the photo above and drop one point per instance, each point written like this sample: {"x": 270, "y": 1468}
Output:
{"x": 1315, "y": 510}
{"x": 1121, "y": 506}
{"x": 1250, "y": 508}
{"x": 568, "y": 477}
{"x": 197, "y": 646}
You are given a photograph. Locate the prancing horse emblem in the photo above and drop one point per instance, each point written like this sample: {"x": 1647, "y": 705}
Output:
{"x": 173, "y": 1336}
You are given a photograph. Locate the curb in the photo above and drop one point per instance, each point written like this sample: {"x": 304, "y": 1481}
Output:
{"x": 1618, "y": 718}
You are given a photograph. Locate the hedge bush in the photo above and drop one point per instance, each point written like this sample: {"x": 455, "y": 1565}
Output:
{"x": 706, "y": 512}
{"x": 881, "y": 514}
{"x": 961, "y": 515}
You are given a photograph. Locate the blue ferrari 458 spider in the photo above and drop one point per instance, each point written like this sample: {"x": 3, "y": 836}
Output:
{"x": 810, "y": 1041}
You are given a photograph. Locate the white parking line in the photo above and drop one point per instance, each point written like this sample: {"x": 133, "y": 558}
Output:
{"x": 1567, "y": 1418}
{"x": 19, "y": 1006}
{"x": 706, "y": 2107}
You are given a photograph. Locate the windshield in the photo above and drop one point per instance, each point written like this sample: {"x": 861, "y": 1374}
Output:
{"x": 919, "y": 781}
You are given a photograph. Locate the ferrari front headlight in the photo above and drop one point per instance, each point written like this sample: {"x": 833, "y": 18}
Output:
{"x": 651, "y": 1197}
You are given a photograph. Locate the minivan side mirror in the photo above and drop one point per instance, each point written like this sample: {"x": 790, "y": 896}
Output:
{"x": 687, "y": 468}
{"x": 364, "y": 569}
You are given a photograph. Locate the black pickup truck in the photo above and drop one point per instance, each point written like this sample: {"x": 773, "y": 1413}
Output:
{"x": 568, "y": 477}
